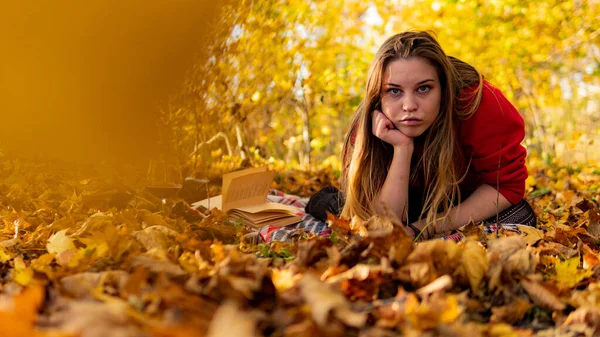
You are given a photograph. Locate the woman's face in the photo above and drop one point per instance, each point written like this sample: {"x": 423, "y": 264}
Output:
{"x": 411, "y": 95}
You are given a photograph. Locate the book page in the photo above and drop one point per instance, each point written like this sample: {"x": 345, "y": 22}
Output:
{"x": 228, "y": 177}
{"x": 210, "y": 203}
{"x": 241, "y": 188}
{"x": 247, "y": 190}
{"x": 270, "y": 207}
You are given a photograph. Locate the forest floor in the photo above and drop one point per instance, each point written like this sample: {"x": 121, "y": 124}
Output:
{"x": 85, "y": 251}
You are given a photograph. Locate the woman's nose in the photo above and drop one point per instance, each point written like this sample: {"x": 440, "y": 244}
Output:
{"x": 409, "y": 103}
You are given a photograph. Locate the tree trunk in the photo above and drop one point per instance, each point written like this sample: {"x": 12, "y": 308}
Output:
{"x": 305, "y": 136}
{"x": 238, "y": 134}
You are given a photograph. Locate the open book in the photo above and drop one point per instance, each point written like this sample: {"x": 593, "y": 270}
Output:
{"x": 244, "y": 195}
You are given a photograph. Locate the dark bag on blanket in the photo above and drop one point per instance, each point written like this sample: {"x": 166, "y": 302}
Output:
{"x": 329, "y": 199}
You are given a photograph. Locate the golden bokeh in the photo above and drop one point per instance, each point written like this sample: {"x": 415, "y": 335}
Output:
{"x": 84, "y": 80}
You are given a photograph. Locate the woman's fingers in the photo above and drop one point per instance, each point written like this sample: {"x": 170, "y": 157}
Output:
{"x": 381, "y": 124}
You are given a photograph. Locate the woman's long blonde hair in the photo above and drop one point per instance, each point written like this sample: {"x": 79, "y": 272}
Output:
{"x": 366, "y": 162}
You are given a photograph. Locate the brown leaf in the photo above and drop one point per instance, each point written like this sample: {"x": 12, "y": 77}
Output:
{"x": 83, "y": 284}
{"x": 541, "y": 295}
{"x": 444, "y": 255}
{"x": 323, "y": 300}
{"x": 92, "y": 319}
{"x": 230, "y": 320}
{"x": 156, "y": 237}
{"x": 590, "y": 258}
{"x": 310, "y": 251}
{"x": 96, "y": 221}
{"x": 158, "y": 265}
{"x": 378, "y": 226}
{"x": 588, "y": 315}
{"x": 338, "y": 224}
{"x": 357, "y": 227}
{"x": 510, "y": 313}
{"x": 418, "y": 274}
{"x": 509, "y": 259}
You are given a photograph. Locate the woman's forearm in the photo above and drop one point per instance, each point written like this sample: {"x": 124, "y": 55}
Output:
{"x": 394, "y": 192}
{"x": 480, "y": 205}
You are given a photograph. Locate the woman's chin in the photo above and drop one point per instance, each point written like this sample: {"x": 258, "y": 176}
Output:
{"x": 413, "y": 132}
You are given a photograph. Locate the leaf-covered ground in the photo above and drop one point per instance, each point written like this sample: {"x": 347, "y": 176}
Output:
{"x": 85, "y": 252}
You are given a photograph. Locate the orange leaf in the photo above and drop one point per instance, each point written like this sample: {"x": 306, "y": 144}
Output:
{"x": 20, "y": 321}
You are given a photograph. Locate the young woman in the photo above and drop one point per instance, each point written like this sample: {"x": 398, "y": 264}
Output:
{"x": 432, "y": 140}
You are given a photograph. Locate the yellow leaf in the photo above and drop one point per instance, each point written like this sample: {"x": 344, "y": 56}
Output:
{"x": 3, "y": 256}
{"x": 42, "y": 264}
{"x": 502, "y": 330}
{"x": 529, "y": 182}
{"x": 568, "y": 274}
{"x": 59, "y": 242}
{"x": 451, "y": 310}
{"x": 430, "y": 313}
{"x": 475, "y": 263}
{"x": 23, "y": 275}
{"x": 70, "y": 258}
{"x": 284, "y": 279}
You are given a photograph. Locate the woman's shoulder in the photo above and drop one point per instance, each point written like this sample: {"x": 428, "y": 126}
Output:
{"x": 467, "y": 96}
{"x": 493, "y": 111}
{"x": 492, "y": 104}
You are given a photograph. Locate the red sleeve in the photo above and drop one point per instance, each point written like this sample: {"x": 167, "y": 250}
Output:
{"x": 492, "y": 136}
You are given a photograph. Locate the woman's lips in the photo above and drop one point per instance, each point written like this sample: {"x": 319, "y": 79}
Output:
{"x": 411, "y": 121}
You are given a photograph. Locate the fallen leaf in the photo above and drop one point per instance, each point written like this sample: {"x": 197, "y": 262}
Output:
{"x": 475, "y": 263}
{"x": 509, "y": 259}
{"x": 230, "y": 320}
{"x": 156, "y": 237}
{"x": 568, "y": 273}
{"x": 323, "y": 300}
{"x": 339, "y": 225}
{"x": 588, "y": 315}
{"x": 501, "y": 330}
{"x": 59, "y": 242}
{"x": 590, "y": 258}
{"x": 22, "y": 274}
{"x": 19, "y": 320}
{"x": 3, "y": 256}
{"x": 91, "y": 319}
{"x": 441, "y": 284}
{"x": 158, "y": 265}
{"x": 284, "y": 279}
{"x": 510, "y": 313}
{"x": 542, "y": 296}
{"x": 432, "y": 311}
{"x": 82, "y": 285}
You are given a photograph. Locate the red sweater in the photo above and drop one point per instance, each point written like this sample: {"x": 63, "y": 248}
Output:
{"x": 491, "y": 137}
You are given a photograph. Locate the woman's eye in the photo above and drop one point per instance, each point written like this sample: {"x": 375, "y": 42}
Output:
{"x": 423, "y": 88}
{"x": 394, "y": 91}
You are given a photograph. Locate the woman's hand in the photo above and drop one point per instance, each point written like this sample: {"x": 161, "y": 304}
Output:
{"x": 384, "y": 129}
{"x": 423, "y": 231}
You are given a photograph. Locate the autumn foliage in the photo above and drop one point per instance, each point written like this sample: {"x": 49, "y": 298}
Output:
{"x": 86, "y": 253}
{"x": 89, "y": 251}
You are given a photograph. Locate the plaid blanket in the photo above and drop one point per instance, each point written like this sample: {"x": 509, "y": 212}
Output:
{"x": 311, "y": 225}
{"x": 308, "y": 223}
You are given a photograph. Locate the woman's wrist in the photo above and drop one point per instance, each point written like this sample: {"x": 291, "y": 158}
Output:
{"x": 406, "y": 149}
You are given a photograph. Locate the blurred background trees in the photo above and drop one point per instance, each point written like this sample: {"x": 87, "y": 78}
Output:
{"x": 283, "y": 77}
